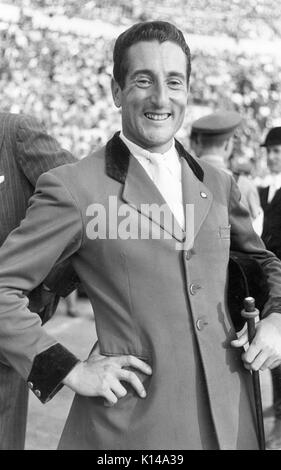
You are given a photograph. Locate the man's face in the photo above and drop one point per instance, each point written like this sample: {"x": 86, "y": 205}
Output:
{"x": 154, "y": 97}
{"x": 274, "y": 158}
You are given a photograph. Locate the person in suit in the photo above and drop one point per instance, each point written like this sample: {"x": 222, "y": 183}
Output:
{"x": 26, "y": 151}
{"x": 271, "y": 203}
{"x": 212, "y": 138}
{"x": 148, "y": 228}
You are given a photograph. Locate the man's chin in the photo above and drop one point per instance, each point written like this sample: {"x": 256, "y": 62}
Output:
{"x": 158, "y": 140}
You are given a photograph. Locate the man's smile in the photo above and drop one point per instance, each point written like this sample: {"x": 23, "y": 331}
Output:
{"x": 157, "y": 117}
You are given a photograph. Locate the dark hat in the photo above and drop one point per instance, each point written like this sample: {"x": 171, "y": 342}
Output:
{"x": 220, "y": 122}
{"x": 273, "y": 137}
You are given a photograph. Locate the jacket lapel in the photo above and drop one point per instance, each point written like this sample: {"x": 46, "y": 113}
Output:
{"x": 197, "y": 199}
{"x": 140, "y": 192}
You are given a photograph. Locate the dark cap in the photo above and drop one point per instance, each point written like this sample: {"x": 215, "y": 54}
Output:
{"x": 220, "y": 122}
{"x": 273, "y": 137}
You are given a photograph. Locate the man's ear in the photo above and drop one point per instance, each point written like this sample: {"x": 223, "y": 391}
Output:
{"x": 228, "y": 146}
{"x": 116, "y": 93}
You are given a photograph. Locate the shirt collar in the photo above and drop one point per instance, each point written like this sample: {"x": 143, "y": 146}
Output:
{"x": 170, "y": 158}
{"x": 138, "y": 151}
{"x": 276, "y": 179}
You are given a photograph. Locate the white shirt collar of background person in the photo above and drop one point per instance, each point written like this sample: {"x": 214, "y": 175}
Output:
{"x": 275, "y": 184}
{"x": 165, "y": 172}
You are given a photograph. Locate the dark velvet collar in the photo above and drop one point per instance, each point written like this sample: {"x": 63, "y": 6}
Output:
{"x": 117, "y": 157}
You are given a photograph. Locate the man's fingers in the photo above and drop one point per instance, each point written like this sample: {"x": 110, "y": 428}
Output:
{"x": 118, "y": 389}
{"x": 252, "y": 352}
{"x": 259, "y": 361}
{"x": 268, "y": 364}
{"x": 256, "y": 358}
{"x": 242, "y": 341}
{"x": 133, "y": 380}
{"x": 136, "y": 363}
{"x": 111, "y": 398}
{"x": 275, "y": 364}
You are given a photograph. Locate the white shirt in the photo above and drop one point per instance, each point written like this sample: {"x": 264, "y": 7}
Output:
{"x": 170, "y": 183}
{"x": 275, "y": 184}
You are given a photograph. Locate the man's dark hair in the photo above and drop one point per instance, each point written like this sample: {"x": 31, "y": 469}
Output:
{"x": 160, "y": 31}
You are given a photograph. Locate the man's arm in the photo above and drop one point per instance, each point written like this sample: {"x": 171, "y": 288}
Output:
{"x": 37, "y": 151}
{"x": 51, "y": 232}
{"x": 265, "y": 350}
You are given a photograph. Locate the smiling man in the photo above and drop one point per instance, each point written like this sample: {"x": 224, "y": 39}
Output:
{"x": 153, "y": 96}
{"x": 168, "y": 372}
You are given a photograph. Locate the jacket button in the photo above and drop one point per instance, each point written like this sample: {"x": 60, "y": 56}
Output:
{"x": 30, "y": 385}
{"x": 193, "y": 288}
{"x": 201, "y": 323}
{"x": 37, "y": 393}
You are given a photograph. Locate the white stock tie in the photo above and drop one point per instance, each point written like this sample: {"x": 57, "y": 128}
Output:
{"x": 168, "y": 184}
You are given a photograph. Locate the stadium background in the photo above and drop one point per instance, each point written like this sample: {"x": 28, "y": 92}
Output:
{"x": 56, "y": 63}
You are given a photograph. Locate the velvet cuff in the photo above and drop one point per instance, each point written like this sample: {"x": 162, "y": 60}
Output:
{"x": 49, "y": 368}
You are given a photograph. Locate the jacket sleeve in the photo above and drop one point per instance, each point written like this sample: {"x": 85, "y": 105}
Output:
{"x": 245, "y": 240}
{"x": 37, "y": 152}
{"x": 50, "y": 233}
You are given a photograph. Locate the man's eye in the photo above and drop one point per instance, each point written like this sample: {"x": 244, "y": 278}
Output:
{"x": 143, "y": 82}
{"x": 175, "y": 84}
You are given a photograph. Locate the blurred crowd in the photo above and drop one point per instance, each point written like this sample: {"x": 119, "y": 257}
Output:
{"x": 64, "y": 78}
{"x": 235, "y": 18}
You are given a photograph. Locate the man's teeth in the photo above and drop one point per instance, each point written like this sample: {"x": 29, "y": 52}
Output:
{"x": 157, "y": 117}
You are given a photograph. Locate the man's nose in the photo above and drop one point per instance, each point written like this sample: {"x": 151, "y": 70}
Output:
{"x": 160, "y": 95}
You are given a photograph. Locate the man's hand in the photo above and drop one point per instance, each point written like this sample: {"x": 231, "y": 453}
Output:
{"x": 101, "y": 376}
{"x": 265, "y": 349}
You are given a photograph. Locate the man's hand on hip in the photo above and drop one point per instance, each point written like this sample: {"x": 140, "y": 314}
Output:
{"x": 101, "y": 376}
{"x": 265, "y": 350}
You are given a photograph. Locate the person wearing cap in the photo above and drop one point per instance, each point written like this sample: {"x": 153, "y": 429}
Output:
{"x": 271, "y": 203}
{"x": 212, "y": 138}
{"x": 148, "y": 229}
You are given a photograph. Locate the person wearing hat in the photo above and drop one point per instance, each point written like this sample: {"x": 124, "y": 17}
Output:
{"x": 271, "y": 203}
{"x": 212, "y": 138}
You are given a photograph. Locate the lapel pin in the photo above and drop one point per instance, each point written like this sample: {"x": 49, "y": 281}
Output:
{"x": 203, "y": 195}
{"x": 2, "y": 178}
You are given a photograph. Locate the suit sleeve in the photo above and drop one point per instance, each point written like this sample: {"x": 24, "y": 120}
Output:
{"x": 37, "y": 151}
{"x": 245, "y": 239}
{"x": 50, "y": 233}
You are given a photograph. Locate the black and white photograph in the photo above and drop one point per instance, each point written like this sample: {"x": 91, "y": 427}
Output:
{"x": 140, "y": 227}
